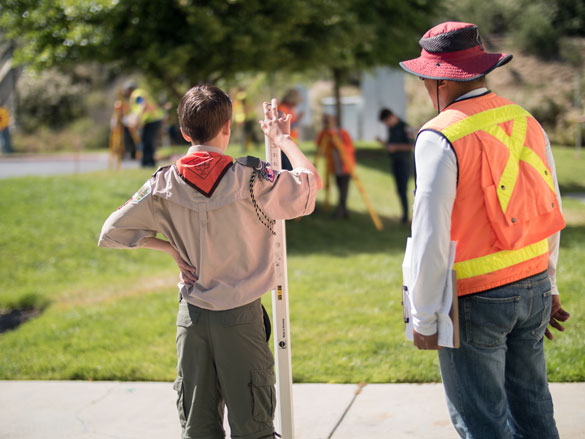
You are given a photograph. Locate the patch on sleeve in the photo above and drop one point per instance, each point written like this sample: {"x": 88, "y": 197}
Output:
{"x": 143, "y": 192}
{"x": 140, "y": 194}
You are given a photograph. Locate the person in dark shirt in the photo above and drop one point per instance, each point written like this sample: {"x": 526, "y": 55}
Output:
{"x": 399, "y": 146}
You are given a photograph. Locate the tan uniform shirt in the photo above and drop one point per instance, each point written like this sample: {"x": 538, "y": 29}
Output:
{"x": 221, "y": 236}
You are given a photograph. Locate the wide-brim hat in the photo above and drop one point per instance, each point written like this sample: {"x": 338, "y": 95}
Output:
{"x": 454, "y": 51}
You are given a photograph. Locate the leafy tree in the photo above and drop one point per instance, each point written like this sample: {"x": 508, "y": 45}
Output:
{"x": 176, "y": 43}
{"x": 345, "y": 36}
{"x": 173, "y": 42}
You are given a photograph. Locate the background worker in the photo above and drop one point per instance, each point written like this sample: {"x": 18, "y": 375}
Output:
{"x": 288, "y": 105}
{"x": 327, "y": 142}
{"x": 149, "y": 117}
{"x": 399, "y": 146}
{"x": 5, "y": 139}
{"x": 485, "y": 179}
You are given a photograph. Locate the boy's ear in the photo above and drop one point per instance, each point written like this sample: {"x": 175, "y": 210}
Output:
{"x": 227, "y": 127}
{"x": 185, "y": 136}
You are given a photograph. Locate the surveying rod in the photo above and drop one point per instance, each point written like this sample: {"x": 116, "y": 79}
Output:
{"x": 280, "y": 318}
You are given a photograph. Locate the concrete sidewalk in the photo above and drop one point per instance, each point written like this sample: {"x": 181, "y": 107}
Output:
{"x": 56, "y": 164}
{"x": 129, "y": 410}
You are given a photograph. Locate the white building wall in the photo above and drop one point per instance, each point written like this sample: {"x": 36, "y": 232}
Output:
{"x": 381, "y": 87}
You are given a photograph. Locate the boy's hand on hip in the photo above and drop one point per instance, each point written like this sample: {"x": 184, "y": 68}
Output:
{"x": 187, "y": 274}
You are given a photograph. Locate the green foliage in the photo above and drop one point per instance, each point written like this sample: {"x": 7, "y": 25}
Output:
{"x": 181, "y": 42}
{"x": 538, "y": 27}
{"x": 533, "y": 30}
{"x": 49, "y": 98}
{"x": 112, "y": 312}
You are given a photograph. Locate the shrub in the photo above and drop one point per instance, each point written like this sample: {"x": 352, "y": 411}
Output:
{"x": 49, "y": 99}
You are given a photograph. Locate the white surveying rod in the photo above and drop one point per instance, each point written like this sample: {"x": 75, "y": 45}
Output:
{"x": 280, "y": 319}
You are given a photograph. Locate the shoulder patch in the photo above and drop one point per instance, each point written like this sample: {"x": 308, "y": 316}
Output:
{"x": 140, "y": 194}
{"x": 143, "y": 192}
{"x": 262, "y": 167}
{"x": 251, "y": 162}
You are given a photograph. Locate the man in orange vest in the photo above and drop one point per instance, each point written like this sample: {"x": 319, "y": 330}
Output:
{"x": 486, "y": 180}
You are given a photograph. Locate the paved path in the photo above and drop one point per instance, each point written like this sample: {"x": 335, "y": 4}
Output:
{"x": 129, "y": 410}
{"x": 55, "y": 164}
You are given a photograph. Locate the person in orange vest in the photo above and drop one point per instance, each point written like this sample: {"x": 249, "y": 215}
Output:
{"x": 328, "y": 140}
{"x": 485, "y": 179}
{"x": 288, "y": 105}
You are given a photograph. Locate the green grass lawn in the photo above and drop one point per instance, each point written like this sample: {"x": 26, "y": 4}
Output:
{"x": 110, "y": 314}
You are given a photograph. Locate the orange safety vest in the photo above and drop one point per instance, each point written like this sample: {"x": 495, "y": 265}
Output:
{"x": 289, "y": 109}
{"x": 505, "y": 207}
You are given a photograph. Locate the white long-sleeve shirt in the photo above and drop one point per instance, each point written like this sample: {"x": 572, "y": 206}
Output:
{"x": 436, "y": 187}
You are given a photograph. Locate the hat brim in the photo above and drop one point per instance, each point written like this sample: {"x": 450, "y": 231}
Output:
{"x": 461, "y": 70}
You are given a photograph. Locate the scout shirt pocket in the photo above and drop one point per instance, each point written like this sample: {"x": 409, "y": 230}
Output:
{"x": 263, "y": 394}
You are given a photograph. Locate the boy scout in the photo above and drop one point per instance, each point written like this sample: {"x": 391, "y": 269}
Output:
{"x": 217, "y": 217}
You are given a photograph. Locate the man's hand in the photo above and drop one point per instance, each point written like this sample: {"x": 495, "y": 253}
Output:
{"x": 275, "y": 125}
{"x": 557, "y": 314}
{"x": 426, "y": 342}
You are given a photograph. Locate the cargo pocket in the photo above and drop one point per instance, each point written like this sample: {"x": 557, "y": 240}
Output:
{"x": 516, "y": 208}
{"x": 263, "y": 395}
{"x": 178, "y": 386}
{"x": 187, "y": 315}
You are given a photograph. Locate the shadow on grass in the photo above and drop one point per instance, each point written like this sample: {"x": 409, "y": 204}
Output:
{"x": 320, "y": 233}
{"x": 571, "y": 187}
{"x": 374, "y": 158}
{"x": 573, "y": 236}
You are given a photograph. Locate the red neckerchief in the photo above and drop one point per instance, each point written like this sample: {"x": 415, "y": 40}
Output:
{"x": 203, "y": 170}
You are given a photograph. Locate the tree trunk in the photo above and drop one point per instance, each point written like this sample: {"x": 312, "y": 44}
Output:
{"x": 337, "y": 74}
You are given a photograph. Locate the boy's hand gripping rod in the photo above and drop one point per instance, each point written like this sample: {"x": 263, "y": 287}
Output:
{"x": 280, "y": 318}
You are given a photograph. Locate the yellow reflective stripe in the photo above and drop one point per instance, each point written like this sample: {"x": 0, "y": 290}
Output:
{"x": 482, "y": 120}
{"x": 515, "y": 145}
{"x": 489, "y": 121}
{"x": 499, "y": 260}
{"x": 530, "y": 157}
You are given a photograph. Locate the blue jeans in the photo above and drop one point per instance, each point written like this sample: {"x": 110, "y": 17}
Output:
{"x": 496, "y": 383}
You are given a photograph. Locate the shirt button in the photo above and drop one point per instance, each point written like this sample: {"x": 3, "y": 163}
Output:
{"x": 513, "y": 220}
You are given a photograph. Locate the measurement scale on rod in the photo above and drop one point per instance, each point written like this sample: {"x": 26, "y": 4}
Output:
{"x": 280, "y": 318}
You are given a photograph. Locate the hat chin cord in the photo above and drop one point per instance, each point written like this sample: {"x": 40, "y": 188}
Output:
{"x": 438, "y": 107}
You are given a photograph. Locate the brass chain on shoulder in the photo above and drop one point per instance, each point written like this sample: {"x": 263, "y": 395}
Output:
{"x": 269, "y": 223}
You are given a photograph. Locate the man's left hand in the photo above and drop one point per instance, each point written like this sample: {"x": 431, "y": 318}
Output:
{"x": 426, "y": 342}
{"x": 557, "y": 314}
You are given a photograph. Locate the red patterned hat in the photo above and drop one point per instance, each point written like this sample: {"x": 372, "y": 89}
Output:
{"x": 453, "y": 51}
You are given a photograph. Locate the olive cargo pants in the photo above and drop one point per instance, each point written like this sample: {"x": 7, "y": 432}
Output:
{"x": 224, "y": 360}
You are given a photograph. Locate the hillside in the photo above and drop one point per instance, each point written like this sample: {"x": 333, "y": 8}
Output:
{"x": 545, "y": 88}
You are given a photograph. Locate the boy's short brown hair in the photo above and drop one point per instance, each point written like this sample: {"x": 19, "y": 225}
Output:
{"x": 203, "y": 111}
